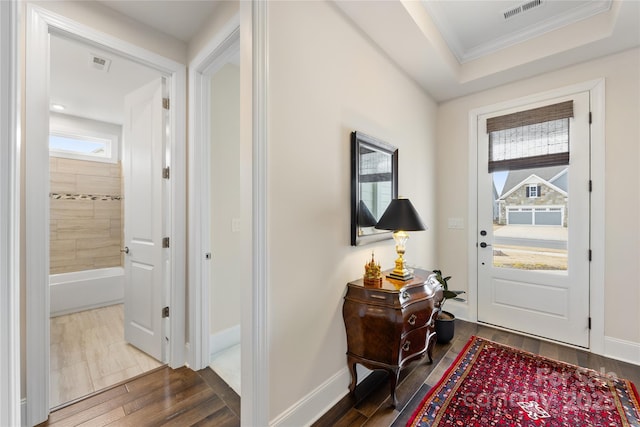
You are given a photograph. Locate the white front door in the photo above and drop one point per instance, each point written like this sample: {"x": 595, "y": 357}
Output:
{"x": 145, "y": 266}
{"x": 533, "y": 237}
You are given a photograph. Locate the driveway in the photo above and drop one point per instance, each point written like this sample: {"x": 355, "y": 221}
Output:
{"x": 540, "y": 232}
{"x": 531, "y": 236}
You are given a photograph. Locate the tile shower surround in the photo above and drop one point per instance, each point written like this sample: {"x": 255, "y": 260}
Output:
{"x": 86, "y": 226}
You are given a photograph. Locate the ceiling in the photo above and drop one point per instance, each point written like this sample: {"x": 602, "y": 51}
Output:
{"x": 85, "y": 90}
{"x": 456, "y": 47}
{"x": 181, "y": 19}
{"x": 473, "y": 29}
{"x": 449, "y": 47}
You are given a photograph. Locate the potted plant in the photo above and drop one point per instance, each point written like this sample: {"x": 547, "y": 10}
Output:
{"x": 445, "y": 320}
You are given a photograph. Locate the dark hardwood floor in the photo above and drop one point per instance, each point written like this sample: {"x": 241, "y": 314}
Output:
{"x": 371, "y": 405}
{"x": 183, "y": 397}
{"x": 162, "y": 397}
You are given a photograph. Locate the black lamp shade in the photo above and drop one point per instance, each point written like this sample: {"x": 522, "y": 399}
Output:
{"x": 365, "y": 217}
{"x": 400, "y": 215}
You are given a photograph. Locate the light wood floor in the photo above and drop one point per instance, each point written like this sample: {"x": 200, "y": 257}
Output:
{"x": 89, "y": 353}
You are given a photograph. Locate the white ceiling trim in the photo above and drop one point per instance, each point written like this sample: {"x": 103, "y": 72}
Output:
{"x": 418, "y": 48}
{"x": 449, "y": 31}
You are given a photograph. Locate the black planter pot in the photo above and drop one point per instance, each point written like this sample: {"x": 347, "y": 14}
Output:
{"x": 445, "y": 327}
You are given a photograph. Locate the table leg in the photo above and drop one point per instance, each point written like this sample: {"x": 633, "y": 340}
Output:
{"x": 354, "y": 374}
{"x": 394, "y": 375}
{"x": 430, "y": 345}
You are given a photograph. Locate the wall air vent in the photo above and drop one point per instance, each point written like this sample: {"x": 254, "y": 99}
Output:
{"x": 99, "y": 62}
{"x": 525, "y": 7}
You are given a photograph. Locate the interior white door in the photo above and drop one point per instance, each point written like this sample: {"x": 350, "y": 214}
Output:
{"x": 143, "y": 159}
{"x": 533, "y": 256}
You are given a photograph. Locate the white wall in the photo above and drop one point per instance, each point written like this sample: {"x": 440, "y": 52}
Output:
{"x": 221, "y": 15}
{"x": 225, "y": 198}
{"x": 326, "y": 80}
{"x": 109, "y": 21}
{"x": 622, "y": 171}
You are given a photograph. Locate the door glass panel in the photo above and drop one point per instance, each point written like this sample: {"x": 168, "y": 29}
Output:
{"x": 530, "y": 219}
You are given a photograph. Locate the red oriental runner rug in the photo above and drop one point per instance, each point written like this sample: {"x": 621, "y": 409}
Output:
{"x": 491, "y": 384}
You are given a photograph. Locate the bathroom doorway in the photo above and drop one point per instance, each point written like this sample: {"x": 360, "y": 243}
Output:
{"x": 42, "y": 24}
{"x": 87, "y": 255}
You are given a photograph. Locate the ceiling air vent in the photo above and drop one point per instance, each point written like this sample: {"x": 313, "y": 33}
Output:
{"x": 99, "y": 63}
{"x": 525, "y": 7}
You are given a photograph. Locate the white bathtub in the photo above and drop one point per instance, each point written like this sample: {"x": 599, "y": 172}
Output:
{"x": 83, "y": 290}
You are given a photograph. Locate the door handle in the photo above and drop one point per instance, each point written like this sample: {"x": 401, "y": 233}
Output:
{"x": 484, "y": 245}
{"x": 125, "y": 250}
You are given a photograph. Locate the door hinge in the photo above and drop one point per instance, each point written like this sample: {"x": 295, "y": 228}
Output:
{"x": 590, "y": 186}
{"x": 165, "y": 103}
{"x": 165, "y": 312}
{"x": 589, "y": 322}
{"x": 590, "y": 254}
{"x": 590, "y": 118}
{"x": 165, "y": 242}
{"x": 166, "y": 172}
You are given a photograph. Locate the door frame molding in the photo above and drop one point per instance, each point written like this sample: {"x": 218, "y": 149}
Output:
{"x": 209, "y": 60}
{"x": 253, "y": 32}
{"x": 40, "y": 22}
{"x": 254, "y": 79}
{"x": 596, "y": 89}
{"x": 9, "y": 217}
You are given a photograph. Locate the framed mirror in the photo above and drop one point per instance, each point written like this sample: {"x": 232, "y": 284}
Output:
{"x": 374, "y": 183}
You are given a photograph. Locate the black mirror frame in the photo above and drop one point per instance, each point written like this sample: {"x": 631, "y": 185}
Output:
{"x": 359, "y": 139}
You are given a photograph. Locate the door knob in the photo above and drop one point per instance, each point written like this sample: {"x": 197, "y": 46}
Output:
{"x": 484, "y": 245}
{"x": 125, "y": 250}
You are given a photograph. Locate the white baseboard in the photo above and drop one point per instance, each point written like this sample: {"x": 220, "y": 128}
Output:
{"x": 311, "y": 407}
{"x": 626, "y": 351}
{"x": 458, "y": 309}
{"x": 223, "y": 340}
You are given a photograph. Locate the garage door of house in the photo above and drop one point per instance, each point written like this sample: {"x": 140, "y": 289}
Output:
{"x": 548, "y": 215}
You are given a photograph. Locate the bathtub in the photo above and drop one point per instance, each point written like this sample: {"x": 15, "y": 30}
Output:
{"x": 83, "y": 290}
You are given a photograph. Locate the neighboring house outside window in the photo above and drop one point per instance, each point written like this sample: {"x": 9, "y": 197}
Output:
{"x": 534, "y": 197}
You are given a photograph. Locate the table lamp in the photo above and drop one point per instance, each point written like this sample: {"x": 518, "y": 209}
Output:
{"x": 400, "y": 216}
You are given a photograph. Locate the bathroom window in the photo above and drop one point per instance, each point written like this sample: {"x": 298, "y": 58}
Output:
{"x": 96, "y": 147}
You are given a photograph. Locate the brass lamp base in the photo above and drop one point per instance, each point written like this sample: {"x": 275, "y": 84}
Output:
{"x": 403, "y": 278}
{"x": 401, "y": 272}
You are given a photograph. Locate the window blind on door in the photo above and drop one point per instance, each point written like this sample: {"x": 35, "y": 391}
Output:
{"x": 528, "y": 139}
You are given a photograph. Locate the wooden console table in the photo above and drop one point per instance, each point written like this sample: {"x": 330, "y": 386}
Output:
{"x": 390, "y": 325}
